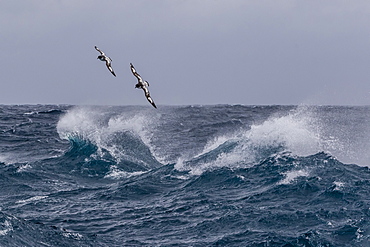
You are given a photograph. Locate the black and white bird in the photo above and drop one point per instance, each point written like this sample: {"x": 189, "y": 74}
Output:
{"x": 143, "y": 85}
{"x": 108, "y": 60}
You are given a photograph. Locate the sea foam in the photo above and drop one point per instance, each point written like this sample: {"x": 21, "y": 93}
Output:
{"x": 123, "y": 136}
{"x": 299, "y": 132}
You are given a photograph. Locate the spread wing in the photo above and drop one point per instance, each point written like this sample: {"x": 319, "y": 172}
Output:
{"x": 142, "y": 84}
{"x": 133, "y": 70}
{"x": 109, "y": 66}
{"x": 101, "y": 52}
{"x": 147, "y": 95}
{"x": 151, "y": 102}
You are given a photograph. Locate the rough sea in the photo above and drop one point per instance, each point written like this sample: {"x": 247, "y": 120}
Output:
{"x": 222, "y": 175}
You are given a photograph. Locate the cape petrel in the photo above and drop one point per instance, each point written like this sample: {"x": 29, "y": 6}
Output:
{"x": 108, "y": 60}
{"x": 143, "y": 85}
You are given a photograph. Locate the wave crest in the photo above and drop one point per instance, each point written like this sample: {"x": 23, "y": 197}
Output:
{"x": 107, "y": 136}
{"x": 299, "y": 132}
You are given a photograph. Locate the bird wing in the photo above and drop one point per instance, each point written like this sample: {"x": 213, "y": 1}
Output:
{"x": 146, "y": 91}
{"x": 151, "y": 102}
{"x": 133, "y": 70}
{"x": 147, "y": 95}
{"x": 101, "y": 52}
{"x": 109, "y": 66}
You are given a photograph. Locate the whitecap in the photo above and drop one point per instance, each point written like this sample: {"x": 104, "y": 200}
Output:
{"x": 7, "y": 227}
{"x": 32, "y": 199}
{"x": 293, "y": 175}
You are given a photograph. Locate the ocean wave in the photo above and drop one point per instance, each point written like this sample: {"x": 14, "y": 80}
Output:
{"x": 49, "y": 111}
{"x": 275, "y": 176}
{"x": 245, "y": 147}
{"x": 301, "y": 131}
{"x": 118, "y": 139}
{"x": 18, "y": 232}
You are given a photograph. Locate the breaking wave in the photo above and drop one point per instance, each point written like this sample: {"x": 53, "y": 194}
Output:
{"x": 120, "y": 139}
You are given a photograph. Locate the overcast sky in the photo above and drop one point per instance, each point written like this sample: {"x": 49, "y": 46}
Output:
{"x": 191, "y": 51}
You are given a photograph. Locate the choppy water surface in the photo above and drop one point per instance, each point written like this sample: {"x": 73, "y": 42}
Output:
{"x": 184, "y": 176}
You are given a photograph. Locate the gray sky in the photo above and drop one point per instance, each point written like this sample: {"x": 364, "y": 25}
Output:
{"x": 191, "y": 52}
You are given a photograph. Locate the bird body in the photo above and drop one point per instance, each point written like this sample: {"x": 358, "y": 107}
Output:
{"x": 143, "y": 85}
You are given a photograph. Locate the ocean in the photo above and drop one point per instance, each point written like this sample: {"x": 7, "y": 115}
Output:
{"x": 217, "y": 175}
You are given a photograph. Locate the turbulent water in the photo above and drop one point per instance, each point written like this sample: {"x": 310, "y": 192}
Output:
{"x": 184, "y": 176}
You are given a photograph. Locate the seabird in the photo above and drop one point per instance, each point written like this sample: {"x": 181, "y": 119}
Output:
{"x": 143, "y": 85}
{"x": 107, "y": 60}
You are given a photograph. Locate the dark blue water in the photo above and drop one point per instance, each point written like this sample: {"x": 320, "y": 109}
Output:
{"x": 184, "y": 176}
